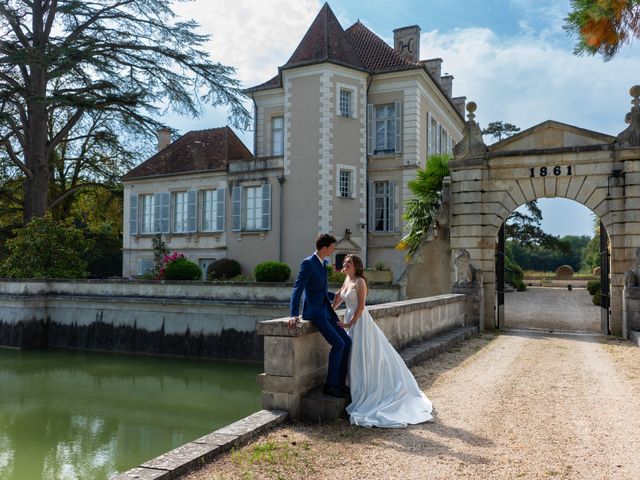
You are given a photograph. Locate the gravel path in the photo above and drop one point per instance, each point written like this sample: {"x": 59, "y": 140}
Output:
{"x": 551, "y": 308}
{"x": 517, "y": 405}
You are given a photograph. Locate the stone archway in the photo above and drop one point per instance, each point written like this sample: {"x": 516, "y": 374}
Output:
{"x": 550, "y": 160}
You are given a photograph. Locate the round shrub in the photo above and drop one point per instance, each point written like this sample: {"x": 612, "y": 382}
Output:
{"x": 593, "y": 286}
{"x": 223, "y": 269}
{"x": 596, "y": 298}
{"x": 182, "y": 269}
{"x": 272, "y": 272}
{"x": 520, "y": 285}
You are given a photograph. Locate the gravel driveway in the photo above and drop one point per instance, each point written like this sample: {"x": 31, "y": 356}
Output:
{"x": 516, "y": 405}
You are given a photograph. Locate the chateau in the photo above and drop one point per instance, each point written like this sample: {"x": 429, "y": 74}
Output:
{"x": 339, "y": 132}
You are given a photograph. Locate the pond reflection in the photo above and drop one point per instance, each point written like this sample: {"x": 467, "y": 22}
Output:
{"x": 80, "y": 415}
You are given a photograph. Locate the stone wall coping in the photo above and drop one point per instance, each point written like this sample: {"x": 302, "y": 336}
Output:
{"x": 278, "y": 327}
{"x": 632, "y": 292}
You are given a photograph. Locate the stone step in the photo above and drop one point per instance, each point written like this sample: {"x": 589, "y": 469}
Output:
{"x": 320, "y": 407}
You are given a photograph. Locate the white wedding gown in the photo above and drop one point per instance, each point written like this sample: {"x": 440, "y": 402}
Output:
{"x": 383, "y": 390}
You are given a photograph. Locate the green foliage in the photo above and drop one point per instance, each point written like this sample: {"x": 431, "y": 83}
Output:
{"x": 272, "y": 272}
{"x": 596, "y": 298}
{"x": 520, "y": 286}
{"x": 182, "y": 269}
{"x": 427, "y": 196}
{"x": 593, "y": 286}
{"x": 46, "y": 248}
{"x": 104, "y": 71}
{"x": 591, "y": 254}
{"x": 333, "y": 276}
{"x": 381, "y": 267}
{"x": 160, "y": 252}
{"x": 569, "y": 250}
{"x": 223, "y": 269}
{"x": 603, "y": 26}
{"x": 104, "y": 258}
{"x": 498, "y": 130}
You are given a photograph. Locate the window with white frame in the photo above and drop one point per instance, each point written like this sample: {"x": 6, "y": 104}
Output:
{"x": 277, "y": 136}
{"x": 252, "y": 207}
{"x": 384, "y": 129}
{"x": 180, "y": 212}
{"x": 213, "y": 202}
{"x": 147, "y": 213}
{"x": 382, "y": 206}
{"x": 346, "y": 102}
{"x": 144, "y": 266}
{"x": 345, "y": 181}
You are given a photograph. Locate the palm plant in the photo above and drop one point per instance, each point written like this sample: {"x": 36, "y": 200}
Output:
{"x": 420, "y": 210}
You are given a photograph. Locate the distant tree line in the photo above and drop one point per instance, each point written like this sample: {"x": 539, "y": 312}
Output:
{"x": 578, "y": 251}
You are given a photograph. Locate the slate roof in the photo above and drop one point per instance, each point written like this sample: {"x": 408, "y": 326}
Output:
{"x": 357, "y": 47}
{"x": 199, "y": 150}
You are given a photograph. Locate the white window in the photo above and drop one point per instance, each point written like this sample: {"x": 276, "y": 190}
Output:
{"x": 384, "y": 128}
{"x": 145, "y": 265}
{"x": 382, "y": 206}
{"x": 346, "y": 102}
{"x": 433, "y": 144}
{"x": 252, "y": 207}
{"x": 345, "y": 181}
{"x": 147, "y": 213}
{"x": 277, "y": 136}
{"x": 180, "y": 212}
{"x": 213, "y": 210}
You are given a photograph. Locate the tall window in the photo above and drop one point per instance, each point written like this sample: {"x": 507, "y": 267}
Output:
{"x": 145, "y": 265}
{"x": 277, "y": 136}
{"x": 147, "y": 208}
{"x": 253, "y": 208}
{"x": 346, "y": 183}
{"x": 346, "y": 103}
{"x": 385, "y": 128}
{"x": 213, "y": 210}
{"x": 383, "y": 206}
{"x": 180, "y": 212}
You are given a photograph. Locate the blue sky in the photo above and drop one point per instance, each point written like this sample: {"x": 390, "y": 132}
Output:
{"x": 509, "y": 56}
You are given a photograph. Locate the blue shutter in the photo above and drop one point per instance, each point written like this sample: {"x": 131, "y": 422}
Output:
{"x": 371, "y": 129}
{"x": 266, "y": 206}
{"x": 398, "y": 123}
{"x": 157, "y": 214}
{"x": 220, "y": 210}
{"x": 392, "y": 206}
{"x": 165, "y": 201}
{"x": 191, "y": 211}
{"x": 236, "y": 200}
{"x": 372, "y": 206}
{"x": 133, "y": 214}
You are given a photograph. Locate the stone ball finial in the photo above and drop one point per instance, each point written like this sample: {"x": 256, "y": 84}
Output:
{"x": 471, "y": 107}
{"x": 635, "y": 91}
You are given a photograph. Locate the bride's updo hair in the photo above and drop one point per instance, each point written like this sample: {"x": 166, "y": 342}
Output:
{"x": 357, "y": 265}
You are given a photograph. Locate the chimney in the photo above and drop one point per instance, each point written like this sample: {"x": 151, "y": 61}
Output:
{"x": 446, "y": 82}
{"x": 164, "y": 138}
{"x": 459, "y": 103}
{"x": 406, "y": 41}
{"x": 434, "y": 67}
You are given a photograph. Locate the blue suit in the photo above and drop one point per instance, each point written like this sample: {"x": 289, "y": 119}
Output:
{"x": 312, "y": 280}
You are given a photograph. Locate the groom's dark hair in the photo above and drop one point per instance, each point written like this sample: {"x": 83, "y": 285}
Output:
{"x": 324, "y": 240}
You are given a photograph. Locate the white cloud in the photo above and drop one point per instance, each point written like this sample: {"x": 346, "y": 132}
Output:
{"x": 527, "y": 80}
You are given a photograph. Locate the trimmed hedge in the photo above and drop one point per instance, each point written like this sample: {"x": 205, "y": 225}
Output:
{"x": 272, "y": 272}
{"x": 223, "y": 269}
{"x": 596, "y": 298}
{"x": 182, "y": 269}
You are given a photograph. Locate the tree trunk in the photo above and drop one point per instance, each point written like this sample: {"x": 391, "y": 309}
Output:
{"x": 36, "y": 186}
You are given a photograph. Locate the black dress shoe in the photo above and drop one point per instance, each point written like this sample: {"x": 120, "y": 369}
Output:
{"x": 334, "y": 391}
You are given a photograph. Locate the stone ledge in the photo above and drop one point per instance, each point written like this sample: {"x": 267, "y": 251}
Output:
{"x": 195, "y": 454}
{"x": 279, "y": 327}
{"x": 635, "y": 338}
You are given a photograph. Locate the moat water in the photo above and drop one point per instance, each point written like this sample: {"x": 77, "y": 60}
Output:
{"x": 85, "y": 415}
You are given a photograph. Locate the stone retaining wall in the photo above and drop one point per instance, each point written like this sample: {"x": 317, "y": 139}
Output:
{"x": 295, "y": 361}
{"x": 204, "y": 319}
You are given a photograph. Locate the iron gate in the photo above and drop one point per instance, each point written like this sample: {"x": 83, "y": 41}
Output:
{"x": 604, "y": 281}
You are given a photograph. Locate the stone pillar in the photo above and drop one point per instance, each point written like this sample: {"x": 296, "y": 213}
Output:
{"x": 631, "y": 310}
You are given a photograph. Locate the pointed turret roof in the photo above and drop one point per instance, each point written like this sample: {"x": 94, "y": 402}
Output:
{"x": 325, "y": 41}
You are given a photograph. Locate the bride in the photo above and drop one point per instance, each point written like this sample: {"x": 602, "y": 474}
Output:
{"x": 383, "y": 390}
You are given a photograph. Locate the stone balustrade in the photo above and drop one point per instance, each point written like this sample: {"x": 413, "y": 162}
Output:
{"x": 295, "y": 361}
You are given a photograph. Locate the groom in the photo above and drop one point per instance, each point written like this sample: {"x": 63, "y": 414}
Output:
{"x": 312, "y": 279}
